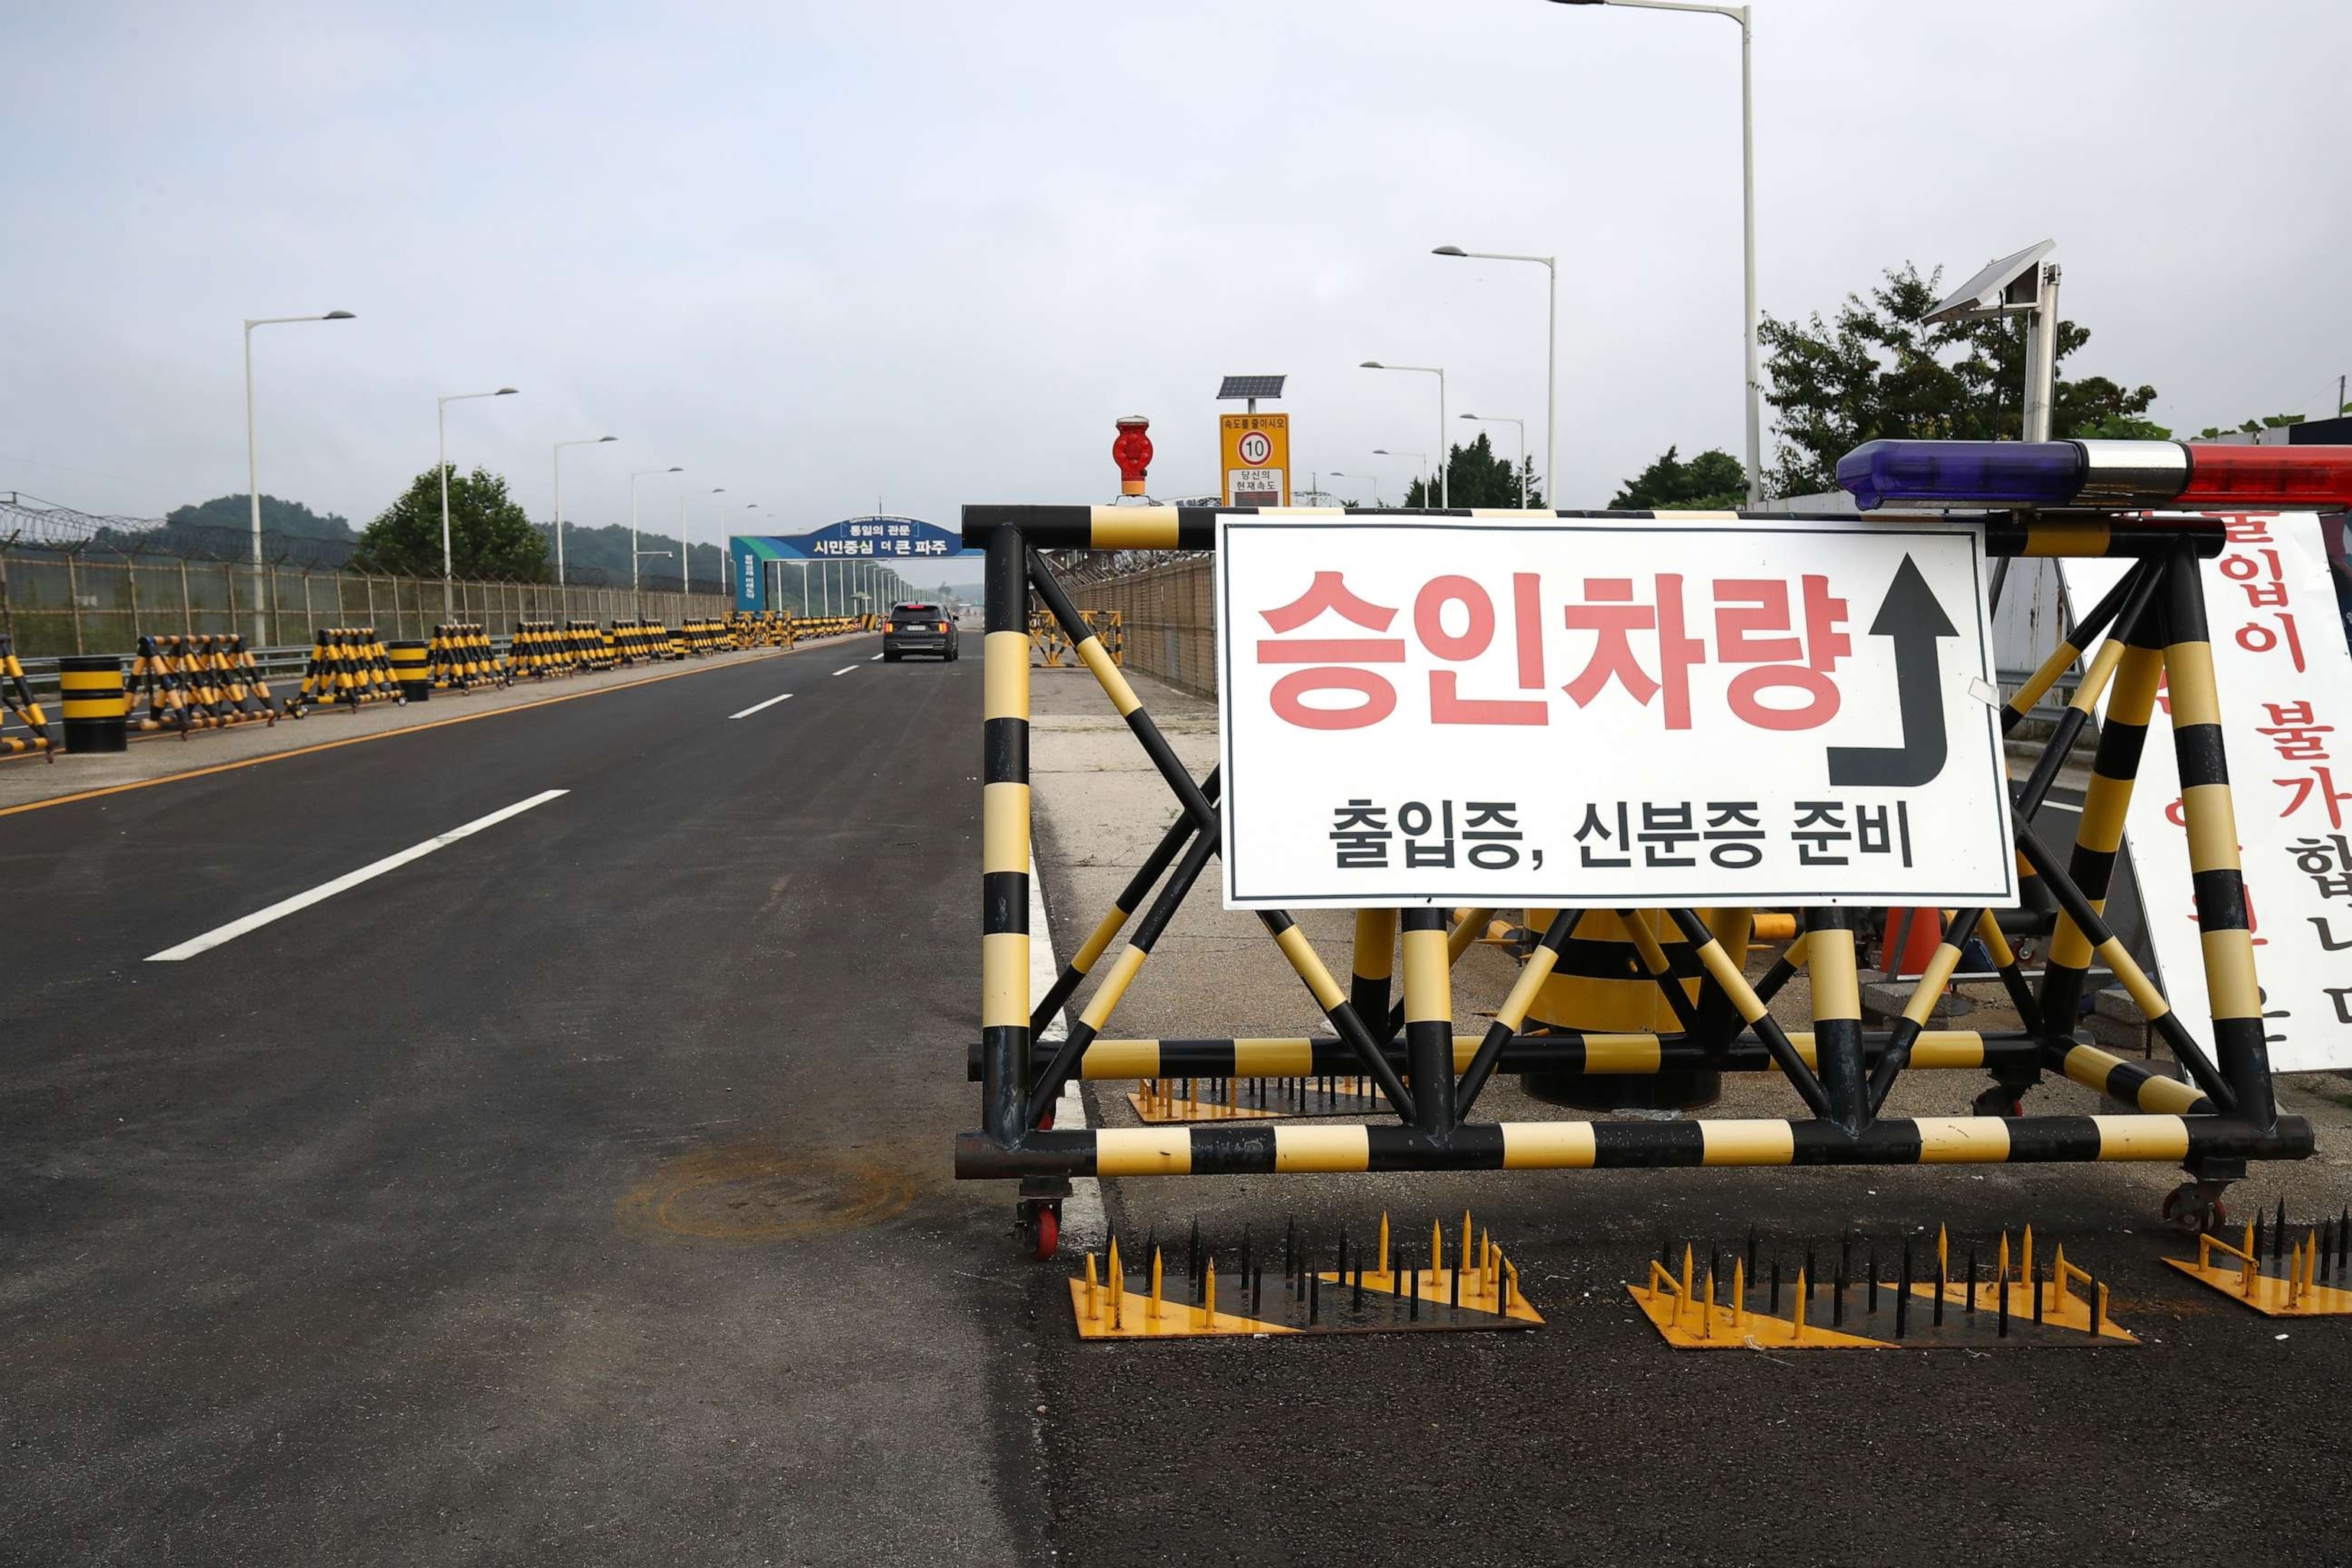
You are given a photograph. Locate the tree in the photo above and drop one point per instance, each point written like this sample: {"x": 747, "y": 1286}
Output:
{"x": 1715, "y": 480}
{"x": 490, "y": 535}
{"x": 1477, "y": 476}
{"x": 1880, "y": 370}
{"x": 2256, "y": 427}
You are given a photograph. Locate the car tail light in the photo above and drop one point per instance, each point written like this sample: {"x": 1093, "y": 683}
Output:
{"x": 943, "y": 628}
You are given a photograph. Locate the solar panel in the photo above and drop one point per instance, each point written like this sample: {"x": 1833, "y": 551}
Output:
{"x": 1237, "y": 387}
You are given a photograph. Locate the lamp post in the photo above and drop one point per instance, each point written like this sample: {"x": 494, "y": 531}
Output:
{"x": 1522, "y": 469}
{"x": 1445, "y": 492}
{"x": 1747, "y": 206}
{"x": 441, "y": 414}
{"x": 686, "y": 551}
{"x": 1422, "y": 458}
{"x": 1373, "y": 479}
{"x": 637, "y": 603}
{"x": 1551, "y": 362}
{"x": 562, "y": 584}
{"x": 252, "y": 459}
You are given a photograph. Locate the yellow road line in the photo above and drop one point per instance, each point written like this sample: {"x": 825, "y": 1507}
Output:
{"x": 379, "y": 735}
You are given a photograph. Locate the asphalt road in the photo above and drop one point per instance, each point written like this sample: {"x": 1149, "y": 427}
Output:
{"x": 579, "y": 1193}
{"x": 575, "y": 1193}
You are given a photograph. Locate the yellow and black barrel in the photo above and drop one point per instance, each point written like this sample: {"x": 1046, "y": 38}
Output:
{"x": 1603, "y": 985}
{"x": 412, "y": 667}
{"x": 90, "y": 690}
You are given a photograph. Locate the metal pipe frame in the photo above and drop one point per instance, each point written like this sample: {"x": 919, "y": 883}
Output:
{"x": 1841, "y": 1071}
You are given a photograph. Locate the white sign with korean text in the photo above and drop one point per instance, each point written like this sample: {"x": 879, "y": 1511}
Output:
{"x": 1526, "y": 711}
{"x": 2284, "y": 678}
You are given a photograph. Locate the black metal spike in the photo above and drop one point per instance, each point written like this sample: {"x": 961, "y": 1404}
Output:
{"x": 2278, "y": 1237}
{"x": 1942, "y": 1283}
{"x": 1314, "y": 1299}
{"x": 2037, "y": 1296}
{"x": 1972, "y": 1276}
{"x": 1776, "y": 1287}
{"x": 1343, "y": 1252}
{"x": 1873, "y": 1279}
{"x": 2262, "y": 1237}
{"x": 1837, "y": 1296}
{"x": 1289, "y": 1247}
{"x": 2000, "y": 1289}
{"x": 1356, "y": 1301}
{"x": 1903, "y": 1296}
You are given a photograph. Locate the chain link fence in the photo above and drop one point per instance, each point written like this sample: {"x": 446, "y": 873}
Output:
{"x": 60, "y": 601}
{"x": 1170, "y": 615}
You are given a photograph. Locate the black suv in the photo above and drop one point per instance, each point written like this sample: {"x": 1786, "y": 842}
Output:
{"x": 919, "y": 627}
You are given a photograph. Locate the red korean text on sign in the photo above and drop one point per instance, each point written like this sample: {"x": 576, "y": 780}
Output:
{"x": 1334, "y": 657}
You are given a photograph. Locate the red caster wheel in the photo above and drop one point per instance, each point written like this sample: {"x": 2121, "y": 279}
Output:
{"x": 1045, "y": 1233}
{"x": 1998, "y": 1102}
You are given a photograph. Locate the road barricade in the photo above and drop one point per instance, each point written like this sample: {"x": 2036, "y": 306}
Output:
{"x": 90, "y": 695}
{"x": 639, "y": 642}
{"x": 765, "y": 629}
{"x": 1051, "y": 648}
{"x": 16, "y": 702}
{"x": 412, "y": 667}
{"x": 827, "y": 626}
{"x": 541, "y": 649}
{"x": 460, "y": 658}
{"x": 349, "y": 667}
{"x": 1696, "y": 1015}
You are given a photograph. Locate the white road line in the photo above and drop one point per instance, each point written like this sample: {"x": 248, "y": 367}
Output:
{"x": 755, "y": 707}
{"x": 346, "y": 882}
{"x": 875, "y": 659}
{"x": 1084, "y": 1224}
{"x": 844, "y": 669}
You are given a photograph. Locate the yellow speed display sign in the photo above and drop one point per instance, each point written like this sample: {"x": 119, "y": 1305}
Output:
{"x": 1256, "y": 462}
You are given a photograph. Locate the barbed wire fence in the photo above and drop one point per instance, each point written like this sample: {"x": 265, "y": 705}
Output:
{"x": 74, "y": 581}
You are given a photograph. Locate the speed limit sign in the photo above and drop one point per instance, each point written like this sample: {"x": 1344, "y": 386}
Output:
{"x": 1256, "y": 467}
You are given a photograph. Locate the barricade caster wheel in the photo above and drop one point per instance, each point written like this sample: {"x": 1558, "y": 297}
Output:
{"x": 1998, "y": 1102}
{"x": 2198, "y": 1213}
{"x": 1044, "y": 1222}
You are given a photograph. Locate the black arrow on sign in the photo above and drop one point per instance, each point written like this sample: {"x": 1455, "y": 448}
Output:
{"x": 1914, "y": 618}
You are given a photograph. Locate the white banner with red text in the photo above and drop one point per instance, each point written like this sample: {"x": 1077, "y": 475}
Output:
{"x": 2284, "y": 678}
{"x": 1522, "y": 711}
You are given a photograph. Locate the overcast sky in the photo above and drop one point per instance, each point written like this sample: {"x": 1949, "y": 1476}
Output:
{"x": 916, "y": 255}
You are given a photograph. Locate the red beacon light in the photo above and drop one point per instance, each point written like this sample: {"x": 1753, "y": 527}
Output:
{"x": 2120, "y": 475}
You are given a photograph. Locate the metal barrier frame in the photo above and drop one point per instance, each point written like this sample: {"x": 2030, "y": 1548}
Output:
{"x": 2158, "y": 620}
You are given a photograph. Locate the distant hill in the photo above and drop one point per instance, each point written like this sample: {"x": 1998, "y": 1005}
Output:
{"x": 222, "y": 529}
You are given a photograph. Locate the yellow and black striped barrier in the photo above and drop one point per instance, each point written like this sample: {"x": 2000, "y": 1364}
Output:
{"x": 460, "y": 658}
{"x": 1663, "y": 993}
{"x": 349, "y": 667}
{"x": 412, "y": 667}
{"x": 1051, "y": 648}
{"x": 93, "y": 703}
{"x": 16, "y": 702}
{"x": 764, "y": 629}
{"x": 827, "y": 626}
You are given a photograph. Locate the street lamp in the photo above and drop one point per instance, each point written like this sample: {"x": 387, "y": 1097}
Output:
{"x": 1444, "y": 490}
{"x": 1374, "y": 479}
{"x": 253, "y": 458}
{"x": 1551, "y": 362}
{"x": 1522, "y": 469}
{"x": 686, "y": 551}
{"x": 1748, "y": 209}
{"x": 637, "y": 605}
{"x": 1423, "y": 459}
{"x": 563, "y": 587}
{"x": 441, "y": 413}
